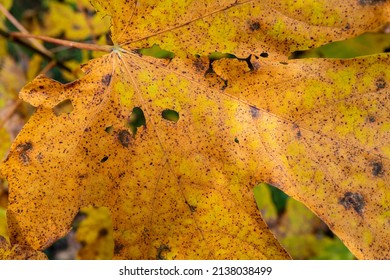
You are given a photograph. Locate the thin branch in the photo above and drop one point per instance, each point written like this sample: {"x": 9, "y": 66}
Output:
{"x": 34, "y": 49}
{"x": 21, "y": 28}
{"x": 78, "y": 45}
{"x": 10, "y": 111}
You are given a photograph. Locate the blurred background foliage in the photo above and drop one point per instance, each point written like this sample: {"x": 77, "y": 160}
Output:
{"x": 300, "y": 231}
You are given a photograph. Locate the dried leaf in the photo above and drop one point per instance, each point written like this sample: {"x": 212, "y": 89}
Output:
{"x": 181, "y": 188}
{"x": 18, "y": 252}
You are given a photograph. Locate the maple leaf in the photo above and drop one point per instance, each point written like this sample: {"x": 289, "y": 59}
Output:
{"x": 182, "y": 187}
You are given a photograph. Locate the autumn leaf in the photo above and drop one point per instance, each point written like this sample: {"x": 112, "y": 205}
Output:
{"x": 181, "y": 187}
{"x": 94, "y": 233}
{"x": 18, "y": 252}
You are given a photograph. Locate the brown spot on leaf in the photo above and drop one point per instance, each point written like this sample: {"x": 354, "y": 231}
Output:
{"x": 377, "y": 169}
{"x": 380, "y": 84}
{"x": 124, "y": 138}
{"x": 117, "y": 248}
{"x": 254, "y": 112}
{"x": 160, "y": 251}
{"x": 354, "y": 200}
{"x": 106, "y": 79}
{"x": 23, "y": 150}
{"x": 254, "y": 26}
{"x": 371, "y": 119}
{"x": 200, "y": 65}
{"x": 371, "y": 2}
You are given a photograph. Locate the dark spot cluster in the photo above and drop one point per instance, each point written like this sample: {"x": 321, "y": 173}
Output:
{"x": 371, "y": 119}
{"x": 254, "y": 26}
{"x": 380, "y": 84}
{"x": 118, "y": 248}
{"x": 23, "y": 150}
{"x": 124, "y": 138}
{"x": 106, "y": 79}
{"x": 353, "y": 200}
{"x": 160, "y": 250}
{"x": 371, "y": 2}
{"x": 199, "y": 65}
{"x": 254, "y": 112}
{"x": 377, "y": 169}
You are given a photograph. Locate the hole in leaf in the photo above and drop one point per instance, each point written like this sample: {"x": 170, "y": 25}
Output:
{"x": 170, "y": 115}
{"x": 64, "y": 107}
{"x": 104, "y": 159}
{"x": 136, "y": 119}
{"x": 236, "y": 140}
{"x": 66, "y": 248}
{"x": 297, "y": 228}
{"x": 156, "y": 51}
{"x": 218, "y": 55}
{"x": 91, "y": 237}
{"x": 264, "y": 54}
{"x": 365, "y": 44}
{"x": 109, "y": 129}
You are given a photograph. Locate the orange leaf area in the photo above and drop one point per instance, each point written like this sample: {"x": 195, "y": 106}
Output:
{"x": 180, "y": 186}
{"x": 18, "y": 252}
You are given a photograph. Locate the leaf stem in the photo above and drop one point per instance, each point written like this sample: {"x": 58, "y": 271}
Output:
{"x": 78, "y": 45}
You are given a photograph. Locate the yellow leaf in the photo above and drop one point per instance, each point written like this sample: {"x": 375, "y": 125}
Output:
{"x": 3, "y": 224}
{"x": 95, "y": 234}
{"x": 76, "y": 25}
{"x": 18, "y": 252}
{"x": 181, "y": 188}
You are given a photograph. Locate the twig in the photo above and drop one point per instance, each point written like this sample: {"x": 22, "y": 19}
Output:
{"x": 21, "y": 28}
{"x": 78, "y": 45}
{"x": 10, "y": 112}
{"x": 34, "y": 49}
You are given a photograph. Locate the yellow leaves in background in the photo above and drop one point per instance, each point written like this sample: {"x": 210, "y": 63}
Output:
{"x": 3, "y": 224}
{"x": 95, "y": 234}
{"x": 75, "y": 19}
{"x": 300, "y": 231}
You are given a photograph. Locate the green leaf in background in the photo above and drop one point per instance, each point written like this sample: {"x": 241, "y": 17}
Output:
{"x": 298, "y": 229}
